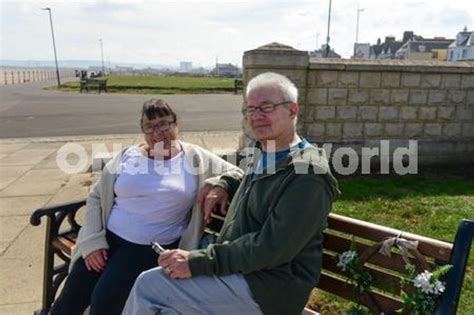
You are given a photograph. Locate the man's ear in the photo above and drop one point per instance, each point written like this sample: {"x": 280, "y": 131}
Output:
{"x": 294, "y": 108}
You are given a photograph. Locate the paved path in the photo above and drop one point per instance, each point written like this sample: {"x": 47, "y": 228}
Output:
{"x": 29, "y": 179}
{"x": 26, "y": 110}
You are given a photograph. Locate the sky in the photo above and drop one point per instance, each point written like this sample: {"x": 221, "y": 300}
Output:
{"x": 167, "y": 32}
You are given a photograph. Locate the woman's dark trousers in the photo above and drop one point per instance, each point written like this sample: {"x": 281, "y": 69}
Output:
{"x": 107, "y": 291}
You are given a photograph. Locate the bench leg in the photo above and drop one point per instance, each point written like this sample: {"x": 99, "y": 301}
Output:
{"x": 459, "y": 258}
{"x": 48, "y": 272}
{"x": 52, "y": 276}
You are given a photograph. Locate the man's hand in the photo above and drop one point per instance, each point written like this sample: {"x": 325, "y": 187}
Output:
{"x": 211, "y": 198}
{"x": 96, "y": 260}
{"x": 175, "y": 263}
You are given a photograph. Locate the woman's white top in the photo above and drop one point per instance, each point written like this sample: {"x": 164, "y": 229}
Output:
{"x": 153, "y": 198}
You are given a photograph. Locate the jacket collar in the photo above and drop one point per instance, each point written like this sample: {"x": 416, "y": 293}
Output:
{"x": 297, "y": 158}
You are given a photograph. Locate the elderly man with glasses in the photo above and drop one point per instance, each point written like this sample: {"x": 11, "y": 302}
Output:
{"x": 268, "y": 256}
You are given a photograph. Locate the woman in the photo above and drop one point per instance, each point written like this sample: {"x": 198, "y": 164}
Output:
{"x": 144, "y": 195}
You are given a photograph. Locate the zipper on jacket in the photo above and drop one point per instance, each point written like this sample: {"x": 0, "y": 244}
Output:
{"x": 249, "y": 184}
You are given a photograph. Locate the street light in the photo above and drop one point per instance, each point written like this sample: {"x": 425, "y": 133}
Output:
{"x": 102, "y": 55}
{"x": 54, "y": 45}
{"x": 359, "y": 10}
{"x": 329, "y": 26}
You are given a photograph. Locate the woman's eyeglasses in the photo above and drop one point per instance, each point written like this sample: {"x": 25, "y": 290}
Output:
{"x": 162, "y": 126}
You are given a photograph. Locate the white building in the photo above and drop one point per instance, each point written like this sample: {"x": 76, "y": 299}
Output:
{"x": 463, "y": 47}
{"x": 361, "y": 51}
{"x": 226, "y": 70}
{"x": 185, "y": 66}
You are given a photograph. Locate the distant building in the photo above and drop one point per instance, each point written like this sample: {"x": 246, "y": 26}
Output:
{"x": 200, "y": 71}
{"x": 324, "y": 53}
{"x": 123, "y": 70}
{"x": 361, "y": 51}
{"x": 424, "y": 49}
{"x": 463, "y": 47}
{"x": 390, "y": 46}
{"x": 93, "y": 71}
{"x": 226, "y": 70}
{"x": 185, "y": 66}
{"x": 149, "y": 71}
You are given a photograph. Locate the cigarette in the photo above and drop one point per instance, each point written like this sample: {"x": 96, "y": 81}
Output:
{"x": 157, "y": 247}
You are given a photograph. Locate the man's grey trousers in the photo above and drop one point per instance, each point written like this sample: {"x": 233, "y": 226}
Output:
{"x": 155, "y": 292}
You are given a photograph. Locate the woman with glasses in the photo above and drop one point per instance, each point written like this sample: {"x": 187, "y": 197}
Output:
{"x": 146, "y": 194}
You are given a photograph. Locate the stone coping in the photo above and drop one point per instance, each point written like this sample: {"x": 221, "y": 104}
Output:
{"x": 392, "y": 65}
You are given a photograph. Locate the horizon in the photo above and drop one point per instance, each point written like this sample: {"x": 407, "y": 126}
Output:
{"x": 82, "y": 63}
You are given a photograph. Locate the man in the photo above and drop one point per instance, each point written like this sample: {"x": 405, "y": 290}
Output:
{"x": 268, "y": 255}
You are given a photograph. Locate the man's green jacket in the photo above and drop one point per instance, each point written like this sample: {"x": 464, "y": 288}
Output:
{"x": 272, "y": 233}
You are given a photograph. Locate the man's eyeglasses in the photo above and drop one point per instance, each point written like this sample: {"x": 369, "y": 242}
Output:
{"x": 162, "y": 126}
{"x": 264, "y": 108}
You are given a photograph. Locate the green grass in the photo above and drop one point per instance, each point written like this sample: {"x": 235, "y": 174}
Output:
{"x": 146, "y": 84}
{"x": 430, "y": 207}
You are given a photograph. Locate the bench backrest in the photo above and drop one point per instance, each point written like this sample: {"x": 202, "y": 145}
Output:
{"x": 96, "y": 81}
{"x": 386, "y": 272}
{"x": 343, "y": 232}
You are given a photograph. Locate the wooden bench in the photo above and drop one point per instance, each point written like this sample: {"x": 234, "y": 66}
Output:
{"x": 100, "y": 84}
{"x": 62, "y": 230}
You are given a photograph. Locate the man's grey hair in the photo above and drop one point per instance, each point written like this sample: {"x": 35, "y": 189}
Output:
{"x": 288, "y": 90}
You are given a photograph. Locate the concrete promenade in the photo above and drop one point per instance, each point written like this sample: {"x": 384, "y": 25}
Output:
{"x": 29, "y": 179}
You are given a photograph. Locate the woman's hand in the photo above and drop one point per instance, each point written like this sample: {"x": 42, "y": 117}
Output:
{"x": 202, "y": 195}
{"x": 213, "y": 197}
{"x": 96, "y": 260}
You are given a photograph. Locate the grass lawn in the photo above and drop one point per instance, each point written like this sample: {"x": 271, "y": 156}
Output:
{"x": 427, "y": 206}
{"x": 147, "y": 84}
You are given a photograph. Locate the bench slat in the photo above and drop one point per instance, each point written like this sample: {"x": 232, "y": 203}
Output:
{"x": 381, "y": 280}
{"x": 429, "y": 247}
{"x": 72, "y": 236}
{"x": 339, "y": 245}
{"x": 65, "y": 242}
{"x": 345, "y": 290}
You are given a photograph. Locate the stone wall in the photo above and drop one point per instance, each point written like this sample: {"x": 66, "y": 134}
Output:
{"x": 358, "y": 103}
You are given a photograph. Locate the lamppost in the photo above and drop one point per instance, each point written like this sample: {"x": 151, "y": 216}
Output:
{"x": 102, "y": 56}
{"x": 54, "y": 45}
{"x": 359, "y": 10}
{"x": 329, "y": 26}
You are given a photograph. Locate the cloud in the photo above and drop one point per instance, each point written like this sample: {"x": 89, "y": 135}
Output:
{"x": 166, "y": 32}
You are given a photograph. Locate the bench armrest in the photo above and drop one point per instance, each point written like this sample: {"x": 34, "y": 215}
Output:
{"x": 54, "y": 273}
{"x": 59, "y": 211}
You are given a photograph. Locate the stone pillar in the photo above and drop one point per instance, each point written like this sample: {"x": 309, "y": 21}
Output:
{"x": 283, "y": 59}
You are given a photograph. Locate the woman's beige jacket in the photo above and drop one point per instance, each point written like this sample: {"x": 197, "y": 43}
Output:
{"x": 204, "y": 164}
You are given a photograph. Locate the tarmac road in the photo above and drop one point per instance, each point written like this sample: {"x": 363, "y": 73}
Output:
{"x": 26, "y": 110}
